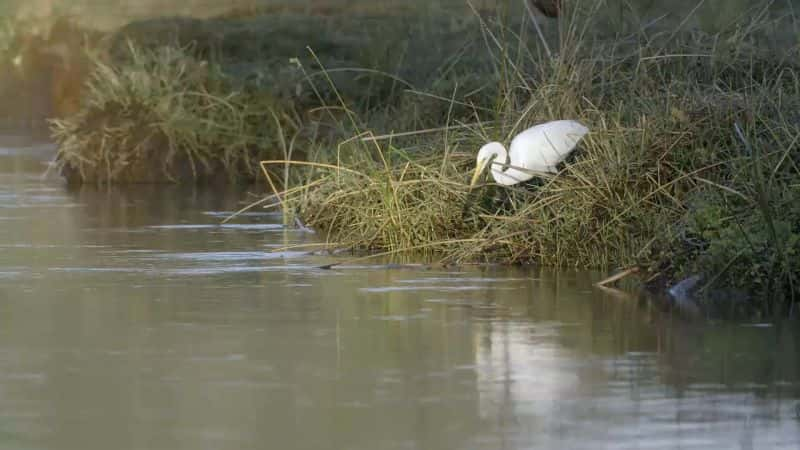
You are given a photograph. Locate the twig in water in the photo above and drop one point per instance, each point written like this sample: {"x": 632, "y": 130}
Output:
{"x": 616, "y": 277}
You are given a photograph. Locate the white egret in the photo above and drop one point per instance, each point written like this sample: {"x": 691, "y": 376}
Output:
{"x": 537, "y": 149}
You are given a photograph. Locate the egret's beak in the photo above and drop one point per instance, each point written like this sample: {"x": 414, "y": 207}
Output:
{"x": 480, "y": 167}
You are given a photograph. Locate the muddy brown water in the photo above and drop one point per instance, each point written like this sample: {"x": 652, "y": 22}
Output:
{"x": 130, "y": 319}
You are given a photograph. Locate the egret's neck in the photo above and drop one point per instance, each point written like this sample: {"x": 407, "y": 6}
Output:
{"x": 500, "y": 172}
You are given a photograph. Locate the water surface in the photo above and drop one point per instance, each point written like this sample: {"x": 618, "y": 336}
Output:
{"x": 132, "y": 320}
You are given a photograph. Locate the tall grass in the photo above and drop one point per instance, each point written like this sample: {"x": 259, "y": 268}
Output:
{"x": 182, "y": 99}
{"x": 163, "y": 115}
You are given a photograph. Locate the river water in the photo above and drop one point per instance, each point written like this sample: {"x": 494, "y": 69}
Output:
{"x": 130, "y": 319}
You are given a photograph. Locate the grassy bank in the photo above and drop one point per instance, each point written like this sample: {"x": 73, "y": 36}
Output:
{"x": 690, "y": 167}
{"x": 163, "y": 115}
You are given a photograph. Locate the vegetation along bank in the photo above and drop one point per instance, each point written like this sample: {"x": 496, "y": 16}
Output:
{"x": 367, "y": 125}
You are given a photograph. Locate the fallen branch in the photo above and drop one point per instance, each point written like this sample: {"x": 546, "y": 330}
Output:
{"x": 618, "y": 276}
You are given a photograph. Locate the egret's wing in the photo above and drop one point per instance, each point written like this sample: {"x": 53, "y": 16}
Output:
{"x": 543, "y": 146}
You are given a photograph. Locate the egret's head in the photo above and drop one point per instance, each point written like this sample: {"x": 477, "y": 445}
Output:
{"x": 486, "y": 156}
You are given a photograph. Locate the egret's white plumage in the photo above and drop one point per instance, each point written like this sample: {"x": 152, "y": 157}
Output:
{"x": 537, "y": 149}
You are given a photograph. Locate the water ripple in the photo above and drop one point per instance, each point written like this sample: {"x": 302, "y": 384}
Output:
{"x": 231, "y": 256}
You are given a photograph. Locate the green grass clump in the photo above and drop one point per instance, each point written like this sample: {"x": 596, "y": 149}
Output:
{"x": 162, "y": 115}
{"x": 746, "y": 239}
{"x": 391, "y": 202}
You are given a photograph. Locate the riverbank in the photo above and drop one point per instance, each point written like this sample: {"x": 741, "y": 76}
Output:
{"x": 689, "y": 171}
{"x": 690, "y": 168}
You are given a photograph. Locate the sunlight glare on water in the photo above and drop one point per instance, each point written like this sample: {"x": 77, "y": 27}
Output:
{"x": 131, "y": 319}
